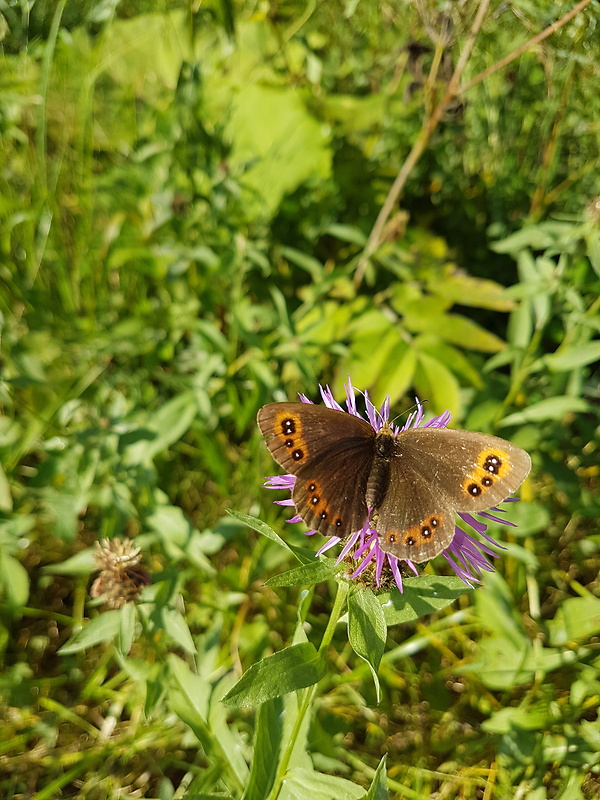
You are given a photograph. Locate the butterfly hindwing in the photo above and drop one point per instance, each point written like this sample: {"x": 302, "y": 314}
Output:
{"x": 413, "y": 524}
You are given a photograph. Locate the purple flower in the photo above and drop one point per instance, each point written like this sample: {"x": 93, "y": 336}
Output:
{"x": 467, "y": 555}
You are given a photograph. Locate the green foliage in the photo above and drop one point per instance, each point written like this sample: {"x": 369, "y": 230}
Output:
{"x": 185, "y": 197}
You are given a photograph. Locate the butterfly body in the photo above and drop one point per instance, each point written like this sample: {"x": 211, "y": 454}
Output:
{"x": 408, "y": 486}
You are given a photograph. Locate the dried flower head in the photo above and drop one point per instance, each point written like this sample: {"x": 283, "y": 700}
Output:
{"x": 121, "y": 578}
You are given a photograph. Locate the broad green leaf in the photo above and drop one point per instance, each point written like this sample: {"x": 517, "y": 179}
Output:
{"x": 375, "y": 342}
{"x": 501, "y": 665}
{"x": 304, "y": 261}
{"x": 572, "y": 357}
{"x": 103, "y": 628}
{"x": 195, "y": 689}
{"x": 347, "y": 233}
{"x": 294, "y": 668}
{"x": 553, "y": 408}
{"x": 421, "y": 596}
{"x": 397, "y": 372}
{"x": 530, "y": 518}
{"x": 434, "y": 382}
{"x": 537, "y": 237}
{"x": 317, "y": 571}
{"x": 194, "y": 701}
{"x": 469, "y": 291}
{"x": 82, "y": 563}
{"x": 259, "y": 526}
{"x": 520, "y": 327}
{"x": 177, "y": 630}
{"x": 14, "y": 581}
{"x": 577, "y": 618}
{"x": 528, "y": 717}
{"x": 449, "y": 355}
{"x": 229, "y": 738}
{"x": 278, "y": 141}
{"x": 378, "y": 789}
{"x": 354, "y": 113}
{"x": 179, "y": 537}
{"x": 303, "y": 784}
{"x": 161, "y": 430}
{"x": 464, "y": 332}
{"x": 268, "y": 739}
{"x": 300, "y": 757}
{"x": 367, "y": 630}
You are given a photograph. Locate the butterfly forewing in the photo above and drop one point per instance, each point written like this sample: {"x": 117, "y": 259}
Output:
{"x": 474, "y": 470}
{"x": 330, "y": 452}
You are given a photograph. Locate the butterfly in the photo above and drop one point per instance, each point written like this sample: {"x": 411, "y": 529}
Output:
{"x": 408, "y": 485}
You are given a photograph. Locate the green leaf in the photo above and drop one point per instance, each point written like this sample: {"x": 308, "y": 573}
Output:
{"x": 268, "y": 739}
{"x": 593, "y": 249}
{"x": 103, "y": 628}
{"x": 537, "y": 237}
{"x": 303, "y": 554}
{"x": 305, "y": 262}
{"x": 552, "y": 408}
{"x": 421, "y": 596}
{"x": 230, "y": 740}
{"x": 501, "y": 664}
{"x": 126, "y": 628}
{"x": 469, "y": 291}
{"x": 277, "y": 141}
{"x": 529, "y": 518}
{"x": 177, "y": 630}
{"x": 14, "y": 581}
{"x": 303, "y": 784}
{"x": 378, "y": 789}
{"x": 160, "y": 430}
{"x": 397, "y": 371}
{"x": 577, "y": 618}
{"x": 259, "y": 526}
{"x": 294, "y": 668}
{"x": 434, "y": 382}
{"x": 6, "y": 501}
{"x": 194, "y": 688}
{"x": 81, "y": 563}
{"x": 531, "y": 717}
{"x": 367, "y": 630}
{"x": 347, "y": 233}
{"x": 317, "y": 571}
{"x": 568, "y": 358}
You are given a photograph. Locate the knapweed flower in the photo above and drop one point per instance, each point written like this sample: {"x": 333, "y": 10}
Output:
{"x": 466, "y": 554}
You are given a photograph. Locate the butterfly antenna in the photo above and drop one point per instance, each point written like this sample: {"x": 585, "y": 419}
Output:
{"x": 410, "y": 410}
{"x": 377, "y": 411}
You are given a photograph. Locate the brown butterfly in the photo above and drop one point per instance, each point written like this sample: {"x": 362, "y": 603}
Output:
{"x": 407, "y": 485}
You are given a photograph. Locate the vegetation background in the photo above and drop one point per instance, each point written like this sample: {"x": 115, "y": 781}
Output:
{"x": 187, "y": 198}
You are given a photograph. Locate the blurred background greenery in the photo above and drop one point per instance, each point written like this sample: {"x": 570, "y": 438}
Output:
{"x": 186, "y": 191}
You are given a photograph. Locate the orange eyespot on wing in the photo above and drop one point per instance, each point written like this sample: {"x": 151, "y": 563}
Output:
{"x": 493, "y": 464}
{"x": 417, "y": 536}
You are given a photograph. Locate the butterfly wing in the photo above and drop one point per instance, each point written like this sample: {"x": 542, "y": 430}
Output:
{"x": 330, "y": 452}
{"x": 436, "y": 472}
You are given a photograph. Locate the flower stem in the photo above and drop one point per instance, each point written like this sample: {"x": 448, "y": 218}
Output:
{"x": 306, "y": 696}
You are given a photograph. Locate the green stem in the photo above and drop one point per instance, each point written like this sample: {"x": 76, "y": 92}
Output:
{"x": 306, "y": 696}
